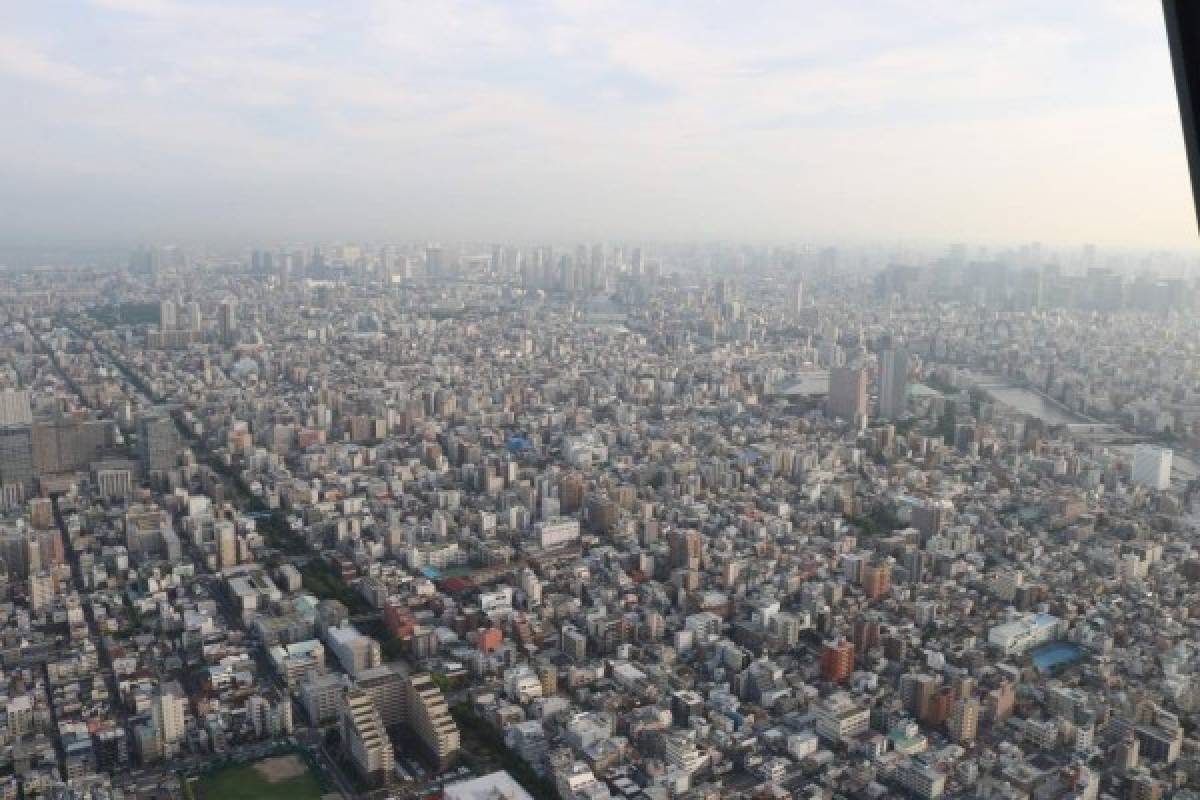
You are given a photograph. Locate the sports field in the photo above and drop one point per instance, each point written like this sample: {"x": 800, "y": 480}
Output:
{"x": 278, "y": 778}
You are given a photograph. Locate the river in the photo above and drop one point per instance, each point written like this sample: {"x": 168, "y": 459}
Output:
{"x": 1026, "y": 401}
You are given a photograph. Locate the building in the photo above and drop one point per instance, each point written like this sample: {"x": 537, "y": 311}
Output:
{"x": 685, "y": 704}
{"x": 493, "y": 786}
{"x": 430, "y": 720}
{"x": 42, "y": 590}
{"x": 1025, "y": 633}
{"x": 365, "y": 739}
{"x": 1159, "y": 743}
{"x": 964, "y": 720}
{"x": 68, "y": 443}
{"x": 683, "y": 754}
{"x": 921, "y": 779}
{"x": 866, "y": 633}
{"x": 158, "y": 441}
{"x": 686, "y": 548}
{"x": 147, "y": 529}
{"x": 556, "y": 532}
{"x": 113, "y": 480}
{"x": 893, "y": 382}
{"x": 167, "y": 316}
{"x": 528, "y": 740}
{"x": 877, "y": 579}
{"x": 848, "y": 394}
{"x": 1152, "y": 466}
{"x": 294, "y": 661}
{"x": 321, "y": 696}
{"x": 168, "y": 711}
{"x": 354, "y": 651}
{"x": 839, "y": 718}
{"x": 387, "y": 684}
{"x": 227, "y": 321}
{"x": 16, "y": 461}
{"x": 1144, "y": 786}
{"x": 837, "y": 660}
{"x": 15, "y": 408}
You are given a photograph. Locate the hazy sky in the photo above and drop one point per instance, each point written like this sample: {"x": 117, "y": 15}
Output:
{"x": 915, "y": 119}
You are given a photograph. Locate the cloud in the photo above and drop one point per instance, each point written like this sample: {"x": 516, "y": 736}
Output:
{"x": 785, "y": 119}
{"x": 25, "y": 61}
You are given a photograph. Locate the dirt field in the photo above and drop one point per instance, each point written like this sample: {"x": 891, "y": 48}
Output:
{"x": 281, "y": 768}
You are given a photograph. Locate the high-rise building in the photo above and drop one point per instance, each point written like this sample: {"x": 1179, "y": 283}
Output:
{"x": 430, "y": 720}
{"x": 388, "y": 686}
{"x": 435, "y": 262}
{"x": 15, "y": 408}
{"x": 866, "y": 633}
{"x": 964, "y": 720}
{"x": 837, "y": 660}
{"x": 687, "y": 548}
{"x": 682, "y": 752}
{"x": 365, "y": 737}
{"x": 167, "y": 320}
{"x": 917, "y": 692}
{"x": 227, "y": 321}
{"x": 158, "y": 441}
{"x": 20, "y": 552}
{"x": 877, "y": 579}
{"x": 67, "y": 444}
{"x": 16, "y": 462}
{"x": 42, "y": 589}
{"x": 848, "y": 394}
{"x": 940, "y": 706}
{"x": 1152, "y": 466}
{"x": 191, "y": 316}
{"x": 930, "y": 517}
{"x": 893, "y": 382}
{"x": 168, "y": 710}
{"x": 354, "y": 651}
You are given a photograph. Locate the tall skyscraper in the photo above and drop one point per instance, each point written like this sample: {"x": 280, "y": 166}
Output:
{"x": 167, "y": 318}
{"x": 848, "y": 394}
{"x": 227, "y": 320}
{"x": 893, "y": 382}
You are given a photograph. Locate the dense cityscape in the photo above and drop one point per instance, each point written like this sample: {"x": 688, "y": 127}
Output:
{"x": 600, "y": 521}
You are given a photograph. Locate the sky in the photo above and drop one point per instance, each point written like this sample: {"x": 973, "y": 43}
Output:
{"x": 802, "y": 120}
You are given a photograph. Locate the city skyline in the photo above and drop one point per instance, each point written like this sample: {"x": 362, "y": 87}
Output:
{"x": 150, "y": 120}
